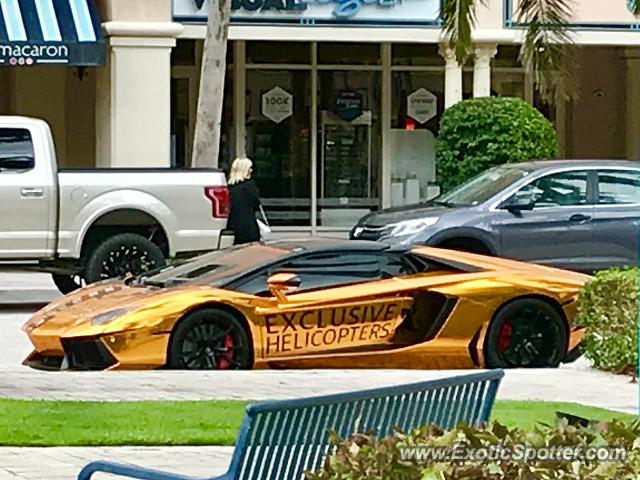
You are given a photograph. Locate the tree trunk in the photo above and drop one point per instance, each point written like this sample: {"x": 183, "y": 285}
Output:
{"x": 206, "y": 144}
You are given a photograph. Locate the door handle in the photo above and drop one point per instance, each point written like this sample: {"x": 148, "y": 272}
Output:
{"x": 579, "y": 217}
{"x": 32, "y": 192}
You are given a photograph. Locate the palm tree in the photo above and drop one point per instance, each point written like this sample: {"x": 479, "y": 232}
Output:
{"x": 206, "y": 142}
{"x": 547, "y": 34}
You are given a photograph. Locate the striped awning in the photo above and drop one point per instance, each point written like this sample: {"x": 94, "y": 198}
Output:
{"x": 54, "y": 32}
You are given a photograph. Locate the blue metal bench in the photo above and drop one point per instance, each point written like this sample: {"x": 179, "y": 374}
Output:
{"x": 280, "y": 440}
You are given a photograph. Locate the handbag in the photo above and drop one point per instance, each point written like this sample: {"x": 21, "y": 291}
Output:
{"x": 263, "y": 225}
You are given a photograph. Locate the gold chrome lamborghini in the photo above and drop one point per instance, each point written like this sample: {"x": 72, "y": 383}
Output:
{"x": 317, "y": 304}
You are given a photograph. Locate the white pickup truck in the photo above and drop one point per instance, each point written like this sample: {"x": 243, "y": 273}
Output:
{"x": 87, "y": 225}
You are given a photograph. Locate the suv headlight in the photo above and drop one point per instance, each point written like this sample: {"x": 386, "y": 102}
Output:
{"x": 410, "y": 227}
{"x": 106, "y": 317}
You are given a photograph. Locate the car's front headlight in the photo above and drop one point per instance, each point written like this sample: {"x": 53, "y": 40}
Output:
{"x": 410, "y": 227}
{"x": 107, "y": 317}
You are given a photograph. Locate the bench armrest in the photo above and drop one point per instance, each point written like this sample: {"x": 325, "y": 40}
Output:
{"x": 132, "y": 471}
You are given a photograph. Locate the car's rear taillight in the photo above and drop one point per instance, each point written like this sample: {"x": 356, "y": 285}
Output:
{"x": 219, "y": 197}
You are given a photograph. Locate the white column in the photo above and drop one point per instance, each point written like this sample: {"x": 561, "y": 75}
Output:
{"x": 452, "y": 77}
{"x": 133, "y": 107}
{"x": 632, "y": 56}
{"x": 482, "y": 69}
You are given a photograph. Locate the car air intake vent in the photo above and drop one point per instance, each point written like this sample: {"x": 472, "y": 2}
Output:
{"x": 87, "y": 355}
{"x": 429, "y": 312}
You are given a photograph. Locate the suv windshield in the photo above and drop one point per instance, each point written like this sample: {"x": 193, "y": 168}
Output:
{"x": 483, "y": 187}
{"x": 212, "y": 268}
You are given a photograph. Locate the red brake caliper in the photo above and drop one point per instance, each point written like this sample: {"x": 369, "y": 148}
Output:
{"x": 226, "y": 357}
{"x": 505, "y": 336}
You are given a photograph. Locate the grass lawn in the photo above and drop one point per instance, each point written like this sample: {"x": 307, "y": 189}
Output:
{"x": 46, "y": 423}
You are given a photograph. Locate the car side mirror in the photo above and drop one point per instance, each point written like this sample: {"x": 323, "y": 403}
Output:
{"x": 515, "y": 205}
{"x": 280, "y": 283}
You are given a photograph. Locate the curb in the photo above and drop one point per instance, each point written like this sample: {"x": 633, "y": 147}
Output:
{"x": 27, "y": 298}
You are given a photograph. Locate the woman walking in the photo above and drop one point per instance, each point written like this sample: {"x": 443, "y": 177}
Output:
{"x": 244, "y": 202}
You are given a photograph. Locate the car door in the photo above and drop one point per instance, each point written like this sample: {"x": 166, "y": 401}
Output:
{"x": 617, "y": 218}
{"x": 558, "y": 231}
{"x": 25, "y": 203}
{"x": 328, "y": 311}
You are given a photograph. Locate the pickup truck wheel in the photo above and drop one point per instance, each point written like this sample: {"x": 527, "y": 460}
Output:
{"x": 67, "y": 283}
{"x": 123, "y": 254}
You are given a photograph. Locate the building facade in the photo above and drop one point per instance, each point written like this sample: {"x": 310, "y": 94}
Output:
{"x": 337, "y": 103}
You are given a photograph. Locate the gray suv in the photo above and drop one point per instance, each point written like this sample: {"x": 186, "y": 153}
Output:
{"x": 574, "y": 214}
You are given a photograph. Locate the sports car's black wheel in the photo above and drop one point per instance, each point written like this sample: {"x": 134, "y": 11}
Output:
{"x": 526, "y": 333}
{"x": 122, "y": 254}
{"x": 210, "y": 339}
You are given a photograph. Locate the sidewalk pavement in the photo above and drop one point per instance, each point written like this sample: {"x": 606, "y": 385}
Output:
{"x": 64, "y": 463}
{"x": 26, "y": 288}
{"x": 569, "y": 383}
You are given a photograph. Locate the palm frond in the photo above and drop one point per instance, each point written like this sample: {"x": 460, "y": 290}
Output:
{"x": 634, "y": 6}
{"x": 458, "y": 19}
{"x": 544, "y": 48}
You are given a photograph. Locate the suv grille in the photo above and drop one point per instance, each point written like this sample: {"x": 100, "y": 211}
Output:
{"x": 370, "y": 233}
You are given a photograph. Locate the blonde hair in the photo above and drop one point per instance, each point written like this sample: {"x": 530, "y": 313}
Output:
{"x": 240, "y": 170}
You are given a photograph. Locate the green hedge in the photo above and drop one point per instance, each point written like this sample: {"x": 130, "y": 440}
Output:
{"x": 364, "y": 457}
{"x": 608, "y": 307}
{"x": 480, "y": 133}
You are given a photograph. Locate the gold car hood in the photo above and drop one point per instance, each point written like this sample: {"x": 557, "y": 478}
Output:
{"x": 74, "y": 312}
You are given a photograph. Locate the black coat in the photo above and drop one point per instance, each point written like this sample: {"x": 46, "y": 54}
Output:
{"x": 244, "y": 202}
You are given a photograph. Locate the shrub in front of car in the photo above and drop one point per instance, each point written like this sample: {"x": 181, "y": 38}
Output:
{"x": 608, "y": 307}
{"x": 480, "y": 133}
{"x": 562, "y": 451}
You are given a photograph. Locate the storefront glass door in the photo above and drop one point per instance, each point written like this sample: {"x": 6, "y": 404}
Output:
{"x": 278, "y": 141}
{"x": 349, "y": 146}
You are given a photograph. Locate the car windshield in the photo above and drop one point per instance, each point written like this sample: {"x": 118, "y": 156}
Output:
{"x": 215, "y": 267}
{"x": 483, "y": 187}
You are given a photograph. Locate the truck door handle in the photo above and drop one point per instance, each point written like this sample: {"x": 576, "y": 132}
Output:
{"x": 578, "y": 217}
{"x": 32, "y": 192}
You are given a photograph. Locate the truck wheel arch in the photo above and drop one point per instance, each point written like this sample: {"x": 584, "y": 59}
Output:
{"x": 124, "y": 220}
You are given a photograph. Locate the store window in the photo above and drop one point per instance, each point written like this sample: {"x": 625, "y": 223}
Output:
{"x": 417, "y": 105}
{"x": 185, "y": 84}
{"x": 278, "y": 132}
{"x": 416, "y": 54}
{"x": 349, "y": 152}
{"x": 333, "y": 53}
{"x": 279, "y": 52}
{"x": 417, "y": 100}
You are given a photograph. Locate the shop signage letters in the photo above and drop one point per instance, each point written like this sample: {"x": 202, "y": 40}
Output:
{"x": 277, "y": 104}
{"x": 422, "y": 105}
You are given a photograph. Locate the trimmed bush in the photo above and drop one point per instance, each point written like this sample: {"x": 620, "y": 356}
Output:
{"x": 480, "y": 133}
{"x": 364, "y": 457}
{"x": 608, "y": 307}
